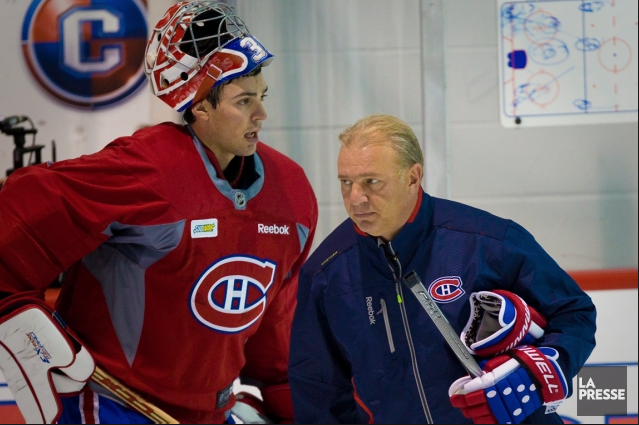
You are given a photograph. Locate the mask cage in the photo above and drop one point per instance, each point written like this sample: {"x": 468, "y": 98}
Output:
{"x": 193, "y": 24}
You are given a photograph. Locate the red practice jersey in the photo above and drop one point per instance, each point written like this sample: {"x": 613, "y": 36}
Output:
{"x": 177, "y": 283}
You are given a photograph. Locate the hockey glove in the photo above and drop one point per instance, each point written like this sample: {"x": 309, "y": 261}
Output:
{"x": 499, "y": 321}
{"x": 249, "y": 409}
{"x": 276, "y": 407}
{"x": 513, "y": 386}
{"x": 39, "y": 357}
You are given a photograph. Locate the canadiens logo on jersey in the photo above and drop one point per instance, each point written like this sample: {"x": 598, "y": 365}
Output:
{"x": 446, "y": 289}
{"x": 230, "y": 296}
{"x": 87, "y": 53}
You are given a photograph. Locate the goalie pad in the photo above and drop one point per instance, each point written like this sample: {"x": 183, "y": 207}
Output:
{"x": 39, "y": 360}
{"x": 499, "y": 321}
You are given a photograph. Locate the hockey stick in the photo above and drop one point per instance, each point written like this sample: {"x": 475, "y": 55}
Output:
{"x": 132, "y": 399}
{"x": 418, "y": 289}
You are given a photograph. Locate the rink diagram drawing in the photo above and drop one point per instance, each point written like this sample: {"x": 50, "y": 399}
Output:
{"x": 568, "y": 61}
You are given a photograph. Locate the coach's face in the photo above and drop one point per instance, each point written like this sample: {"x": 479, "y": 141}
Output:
{"x": 378, "y": 194}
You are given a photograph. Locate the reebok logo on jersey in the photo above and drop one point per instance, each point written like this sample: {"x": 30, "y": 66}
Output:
{"x": 204, "y": 228}
{"x": 272, "y": 230}
{"x": 371, "y": 312}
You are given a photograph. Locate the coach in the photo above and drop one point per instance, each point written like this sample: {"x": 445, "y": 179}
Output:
{"x": 362, "y": 348}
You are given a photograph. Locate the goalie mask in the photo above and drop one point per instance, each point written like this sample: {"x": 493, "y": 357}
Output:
{"x": 196, "y": 46}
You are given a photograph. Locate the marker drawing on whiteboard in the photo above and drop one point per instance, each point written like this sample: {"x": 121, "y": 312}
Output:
{"x": 591, "y": 6}
{"x": 582, "y": 104}
{"x": 587, "y": 44}
{"x": 567, "y": 58}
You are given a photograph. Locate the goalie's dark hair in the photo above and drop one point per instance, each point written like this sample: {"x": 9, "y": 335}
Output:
{"x": 215, "y": 94}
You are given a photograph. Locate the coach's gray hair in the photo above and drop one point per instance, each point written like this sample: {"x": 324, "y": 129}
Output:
{"x": 391, "y": 129}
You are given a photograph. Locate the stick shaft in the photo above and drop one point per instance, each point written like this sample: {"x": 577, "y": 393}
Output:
{"x": 132, "y": 399}
{"x": 416, "y": 286}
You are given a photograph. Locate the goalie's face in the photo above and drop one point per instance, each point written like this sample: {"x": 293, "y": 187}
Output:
{"x": 232, "y": 129}
{"x": 378, "y": 194}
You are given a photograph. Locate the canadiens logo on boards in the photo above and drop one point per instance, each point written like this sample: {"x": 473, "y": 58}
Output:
{"x": 230, "y": 296}
{"x": 86, "y": 53}
{"x": 446, "y": 289}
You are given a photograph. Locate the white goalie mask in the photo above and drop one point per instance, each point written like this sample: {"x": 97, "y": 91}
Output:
{"x": 196, "y": 46}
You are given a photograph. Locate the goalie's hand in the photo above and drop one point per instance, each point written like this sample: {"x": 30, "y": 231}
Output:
{"x": 499, "y": 321}
{"x": 277, "y": 406}
{"x": 513, "y": 386}
{"x": 39, "y": 357}
{"x": 249, "y": 409}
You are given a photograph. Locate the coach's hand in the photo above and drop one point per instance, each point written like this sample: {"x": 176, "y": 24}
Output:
{"x": 513, "y": 386}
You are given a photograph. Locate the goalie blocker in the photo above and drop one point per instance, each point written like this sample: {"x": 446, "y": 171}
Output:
{"x": 39, "y": 358}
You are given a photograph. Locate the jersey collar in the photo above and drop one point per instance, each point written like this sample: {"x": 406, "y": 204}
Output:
{"x": 239, "y": 197}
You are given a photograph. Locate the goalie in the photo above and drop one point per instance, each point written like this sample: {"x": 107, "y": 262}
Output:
{"x": 182, "y": 243}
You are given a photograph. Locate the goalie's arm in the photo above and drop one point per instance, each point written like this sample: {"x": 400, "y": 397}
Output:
{"x": 70, "y": 206}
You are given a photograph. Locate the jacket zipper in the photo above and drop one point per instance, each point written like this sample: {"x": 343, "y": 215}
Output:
{"x": 389, "y": 334}
{"x": 393, "y": 261}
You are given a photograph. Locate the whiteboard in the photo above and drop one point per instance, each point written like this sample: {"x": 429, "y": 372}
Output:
{"x": 567, "y": 62}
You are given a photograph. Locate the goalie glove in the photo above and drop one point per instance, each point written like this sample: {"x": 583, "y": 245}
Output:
{"x": 499, "y": 321}
{"x": 277, "y": 406}
{"x": 513, "y": 386}
{"x": 249, "y": 410}
{"x": 39, "y": 358}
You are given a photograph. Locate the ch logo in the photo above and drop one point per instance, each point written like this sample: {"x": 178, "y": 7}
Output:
{"x": 446, "y": 289}
{"x": 231, "y": 294}
{"x": 86, "y": 53}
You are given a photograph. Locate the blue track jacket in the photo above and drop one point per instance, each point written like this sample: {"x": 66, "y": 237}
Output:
{"x": 351, "y": 360}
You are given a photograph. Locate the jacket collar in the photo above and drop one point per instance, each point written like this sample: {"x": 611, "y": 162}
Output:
{"x": 408, "y": 240}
